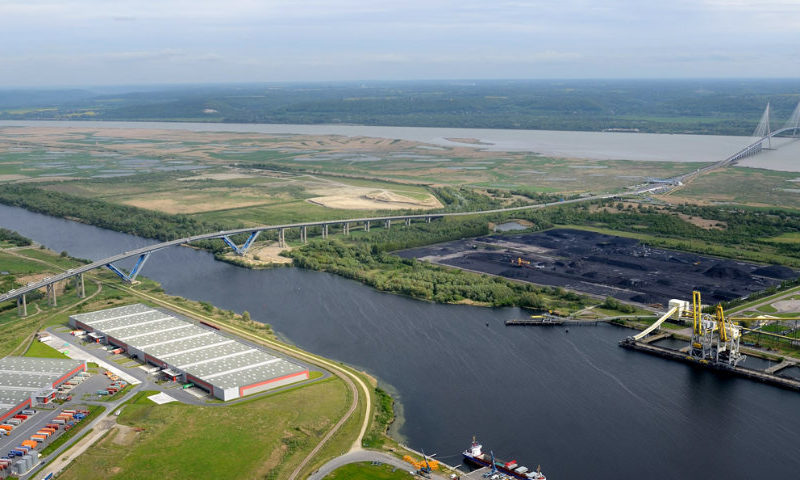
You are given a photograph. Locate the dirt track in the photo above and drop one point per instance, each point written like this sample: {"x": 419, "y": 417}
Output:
{"x": 605, "y": 265}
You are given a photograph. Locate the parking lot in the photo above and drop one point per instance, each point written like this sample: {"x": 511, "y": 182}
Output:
{"x": 123, "y": 366}
{"x": 46, "y": 413}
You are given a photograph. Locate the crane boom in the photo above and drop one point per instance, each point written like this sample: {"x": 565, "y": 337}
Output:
{"x": 656, "y": 324}
{"x": 696, "y": 312}
{"x": 723, "y": 331}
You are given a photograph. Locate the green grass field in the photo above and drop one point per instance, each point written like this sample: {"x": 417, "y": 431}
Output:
{"x": 368, "y": 471}
{"x": 263, "y": 438}
{"x": 42, "y": 350}
{"x": 746, "y": 186}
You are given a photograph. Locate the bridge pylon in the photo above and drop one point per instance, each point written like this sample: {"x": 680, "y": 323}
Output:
{"x": 794, "y": 121}
{"x": 762, "y": 130}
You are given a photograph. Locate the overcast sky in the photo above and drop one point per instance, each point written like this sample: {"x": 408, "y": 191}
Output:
{"x": 108, "y": 42}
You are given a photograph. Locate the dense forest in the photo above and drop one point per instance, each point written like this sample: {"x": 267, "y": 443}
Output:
{"x": 122, "y": 218}
{"x": 668, "y": 106}
{"x": 425, "y": 281}
{"x": 14, "y": 238}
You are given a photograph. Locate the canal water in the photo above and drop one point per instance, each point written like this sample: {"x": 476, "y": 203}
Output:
{"x": 572, "y": 401}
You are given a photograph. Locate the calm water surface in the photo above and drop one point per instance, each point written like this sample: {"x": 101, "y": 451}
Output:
{"x": 589, "y": 145}
{"x": 574, "y": 402}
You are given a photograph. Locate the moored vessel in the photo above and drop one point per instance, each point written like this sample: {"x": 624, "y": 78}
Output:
{"x": 476, "y": 456}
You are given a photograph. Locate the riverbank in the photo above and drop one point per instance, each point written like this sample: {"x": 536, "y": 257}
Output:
{"x": 412, "y": 346}
{"x": 309, "y": 423}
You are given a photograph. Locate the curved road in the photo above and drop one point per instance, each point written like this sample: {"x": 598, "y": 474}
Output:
{"x": 360, "y": 456}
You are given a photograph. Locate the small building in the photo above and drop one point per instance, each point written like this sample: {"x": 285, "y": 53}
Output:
{"x": 26, "y": 381}
{"x": 186, "y": 351}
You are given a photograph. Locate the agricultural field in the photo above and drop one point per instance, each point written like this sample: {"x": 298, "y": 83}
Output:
{"x": 256, "y": 178}
{"x": 741, "y": 185}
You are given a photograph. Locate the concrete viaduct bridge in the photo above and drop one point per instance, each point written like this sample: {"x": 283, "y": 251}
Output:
{"x": 762, "y": 132}
{"x": 325, "y": 227}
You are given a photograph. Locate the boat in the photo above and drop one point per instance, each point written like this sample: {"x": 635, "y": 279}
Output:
{"x": 476, "y": 456}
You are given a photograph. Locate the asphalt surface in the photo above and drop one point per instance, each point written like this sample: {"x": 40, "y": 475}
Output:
{"x": 363, "y": 456}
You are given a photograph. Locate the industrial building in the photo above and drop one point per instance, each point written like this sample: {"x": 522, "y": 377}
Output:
{"x": 26, "y": 381}
{"x": 225, "y": 366}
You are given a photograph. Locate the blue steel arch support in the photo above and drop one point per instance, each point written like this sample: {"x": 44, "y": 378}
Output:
{"x": 137, "y": 267}
{"x": 243, "y": 249}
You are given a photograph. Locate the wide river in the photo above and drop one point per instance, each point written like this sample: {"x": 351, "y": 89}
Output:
{"x": 587, "y": 145}
{"x": 571, "y": 400}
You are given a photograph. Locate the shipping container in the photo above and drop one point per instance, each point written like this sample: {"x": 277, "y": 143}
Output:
{"x": 59, "y": 421}
{"x": 6, "y": 427}
{"x": 21, "y": 416}
{"x": 38, "y": 438}
{"x": 14, "y": 421}
{"x": 28, "y": 412}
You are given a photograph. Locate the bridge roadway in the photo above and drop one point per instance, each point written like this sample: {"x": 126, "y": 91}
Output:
{"x": 745, "y": 152}
{"x": 19, "y": 292}
{"x": 143, "y": 252}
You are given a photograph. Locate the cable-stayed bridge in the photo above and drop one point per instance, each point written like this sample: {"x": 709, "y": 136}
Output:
{"x": 762, "y": 134}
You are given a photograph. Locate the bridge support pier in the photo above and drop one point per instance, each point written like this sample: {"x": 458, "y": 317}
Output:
{"x": 325, "y": 231}
{"x": 427, "y": 219}
{"x": 366, "y": 226}
{"x": 22, "y": 306}
{"x": 282, "y": 238}
{"x": 137, "y": 267}
{"x": 304, "y": 234}
{"x": 79, "y": 287}
{"x": 51, "y": 295}
{"x": 346, "y": 228}
{"x": 243, "y": 249}
{"x": 408, "y": 222}
{"x": 388, "y": 224}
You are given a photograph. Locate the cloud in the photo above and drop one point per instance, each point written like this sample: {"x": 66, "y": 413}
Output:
{"x": 256, "y": 40}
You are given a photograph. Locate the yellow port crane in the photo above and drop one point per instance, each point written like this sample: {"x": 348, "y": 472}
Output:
{"x": 714, "y": 339}
{"x": 723, "y": 330}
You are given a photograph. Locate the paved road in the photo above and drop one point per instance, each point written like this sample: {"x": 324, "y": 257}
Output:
{"x": 363, "y": 456}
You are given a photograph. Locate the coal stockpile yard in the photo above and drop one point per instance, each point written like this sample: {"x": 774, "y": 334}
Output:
{"x": 604, "y": 265}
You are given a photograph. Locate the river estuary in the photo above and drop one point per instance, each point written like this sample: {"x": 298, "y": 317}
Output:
{"x": 587, "y": 145}
{"x": 573, "y": 401}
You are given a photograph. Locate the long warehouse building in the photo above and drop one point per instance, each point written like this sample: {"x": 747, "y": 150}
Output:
{"x": 27, "y": 381}
{"x": 226, "y": 367}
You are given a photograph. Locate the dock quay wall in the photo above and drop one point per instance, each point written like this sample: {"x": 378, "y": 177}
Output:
{"x": 757, "y": 375}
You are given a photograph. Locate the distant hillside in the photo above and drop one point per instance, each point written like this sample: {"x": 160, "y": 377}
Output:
{"x": 669, "y": 106}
